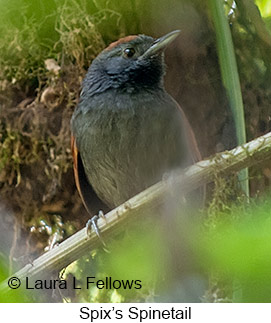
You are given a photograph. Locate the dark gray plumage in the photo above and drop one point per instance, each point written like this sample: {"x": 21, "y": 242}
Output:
{"x": 127, "y": 130}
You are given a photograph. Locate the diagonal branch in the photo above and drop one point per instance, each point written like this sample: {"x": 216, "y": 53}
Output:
{"x": 182, "y": 182}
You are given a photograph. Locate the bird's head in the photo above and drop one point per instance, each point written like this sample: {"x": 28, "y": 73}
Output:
{"x": 131, "y": 63}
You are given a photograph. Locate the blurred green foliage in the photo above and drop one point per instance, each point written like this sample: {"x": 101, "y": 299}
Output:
{"x": 238, "y": 249}
{"x": 265, "y": 7}
{"x": 157, "y": 253}
{"x": 14, "y": 296}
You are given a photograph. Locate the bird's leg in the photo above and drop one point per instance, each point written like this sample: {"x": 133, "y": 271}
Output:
{"x": 92, "y": 223}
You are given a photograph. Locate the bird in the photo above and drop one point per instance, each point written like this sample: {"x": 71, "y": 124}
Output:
{"x": 127, "y": 131}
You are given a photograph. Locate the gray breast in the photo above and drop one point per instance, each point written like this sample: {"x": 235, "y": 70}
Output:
{"x": 127, "y": 147}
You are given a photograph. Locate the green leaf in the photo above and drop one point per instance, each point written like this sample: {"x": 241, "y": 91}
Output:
{"x": 230, "y": 77}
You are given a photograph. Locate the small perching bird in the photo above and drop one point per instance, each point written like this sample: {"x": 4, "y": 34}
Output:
{"x": 127, "y": 131}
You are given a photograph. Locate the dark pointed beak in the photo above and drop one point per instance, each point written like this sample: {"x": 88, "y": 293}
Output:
{"x": 160, "y": 44}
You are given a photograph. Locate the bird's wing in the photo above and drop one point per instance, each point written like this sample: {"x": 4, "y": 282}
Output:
{"x": 90, "y": 199}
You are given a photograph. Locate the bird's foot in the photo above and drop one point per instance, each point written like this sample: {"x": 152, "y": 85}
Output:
{"x": 92, "y": 224}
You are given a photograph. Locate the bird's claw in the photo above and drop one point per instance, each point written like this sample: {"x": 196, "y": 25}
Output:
{"x": 92, "y": 224}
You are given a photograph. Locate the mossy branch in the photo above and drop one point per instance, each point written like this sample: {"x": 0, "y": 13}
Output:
{"x": 180, "y": 182}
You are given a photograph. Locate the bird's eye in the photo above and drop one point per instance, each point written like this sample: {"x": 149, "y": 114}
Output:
{"x": 129, "y": 52}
